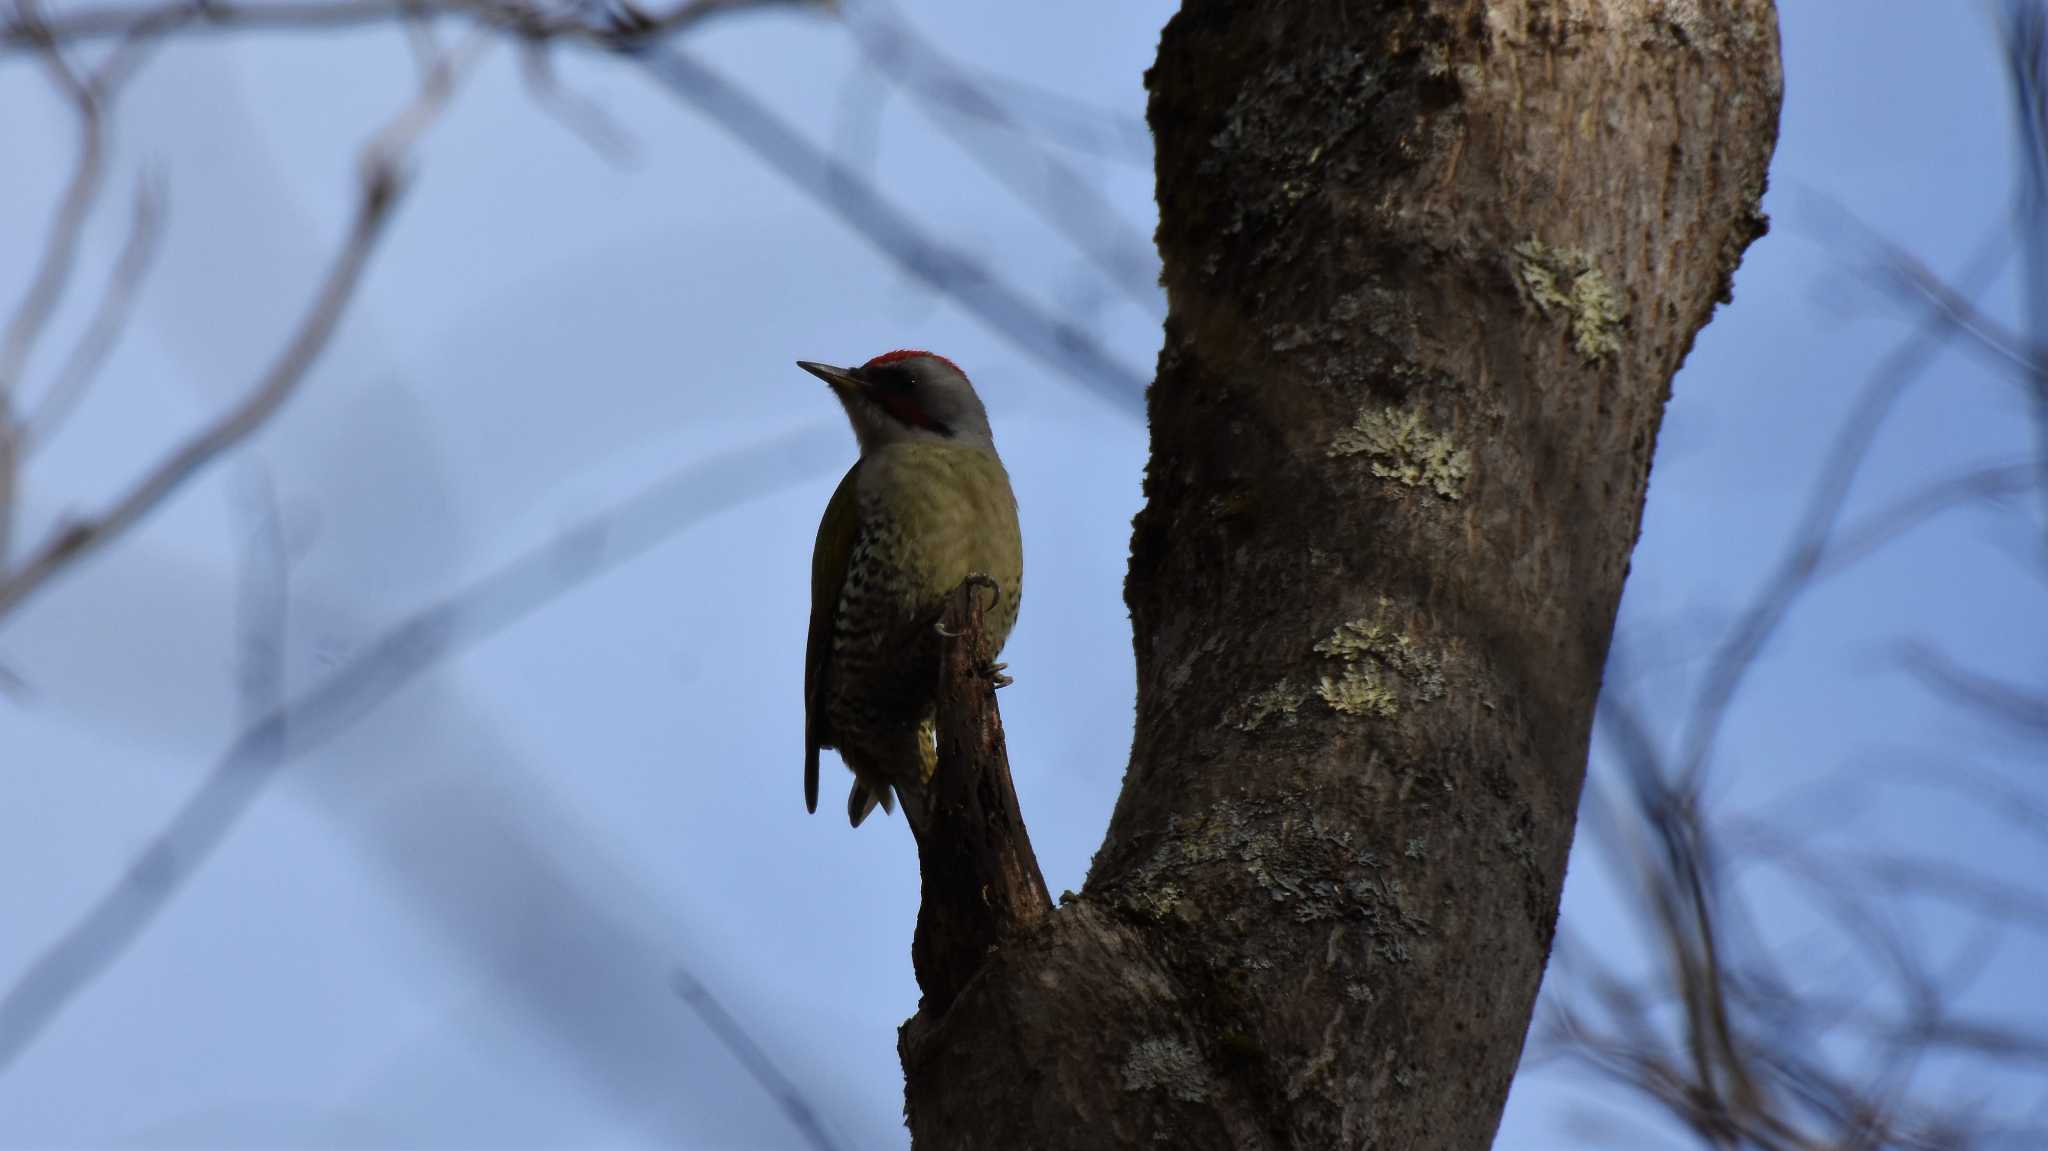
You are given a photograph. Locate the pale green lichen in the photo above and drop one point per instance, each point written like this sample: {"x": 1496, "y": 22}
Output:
{"x": 1166, "y": 1064}
{"x": 1565, "y": 280}
{"x": 1278, "y": 703}
{"x": 1403, "y": 447}
{"x": 1359, "y": 690}
{"x": 1381, "y": 668}
{"x": 1316, "y": 874}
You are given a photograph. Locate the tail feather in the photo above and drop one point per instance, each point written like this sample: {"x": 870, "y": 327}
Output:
{"x": 810, "y": 774}
{"x": 860, "y": 802}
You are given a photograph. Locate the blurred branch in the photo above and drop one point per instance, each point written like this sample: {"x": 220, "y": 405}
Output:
{"x": 1738, "y": 652}
{"x": 2013, "y": 705}
{"x": 2012, "y": 350}
{"x": 862, "y": 207}
{"x": 748, "y": 1054}
{"x": 60, "y": 253}
{"x": 628, "y": 31}
{"x": 530, "y": 21}
{"x": 964, "y": 109}
{"x": 263, "y": 597}
{"x": 74, "y": 206}
{"x": 396, "y": 658}
{"x": 1737, "y": 1055}
{"x": 583, "y": 117}
{"x": 2025, "y": 33}
{"x": 108, "y": 321}
{"x": 72, "y": 542}
{"x": 379, "y": 194}
{"x": 1860, "y": 540}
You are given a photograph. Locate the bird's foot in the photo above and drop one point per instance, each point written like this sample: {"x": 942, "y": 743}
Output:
{"x": 985, "y": 580}
{"x": 994, "y": 671}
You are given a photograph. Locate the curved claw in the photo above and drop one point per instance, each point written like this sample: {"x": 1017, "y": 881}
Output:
{"x": 983, "y": 579}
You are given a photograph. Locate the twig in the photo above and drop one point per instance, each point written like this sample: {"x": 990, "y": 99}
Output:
{"x": 60, "y": 253}
{"x": 1067, "y": 203}
{"x": 394, "y": 659}
{"x": 583, "y": 117}
{"x": 749, "y": 1055}
{"x": 861, "y": 207}
{"x": 60, "y": 250}
{"x": 263, "y": 599}
{"x": 108, "y": 321}
{"x": 86, "y": 24}
{"x": 2026, "y": 44}
{"x": 1065, "y": 346}
{"x": 68, "y": 544}
{"x": 1759, "y": 622}
{"x": 2014, "y": 705}
{"x": 381, "y": 189}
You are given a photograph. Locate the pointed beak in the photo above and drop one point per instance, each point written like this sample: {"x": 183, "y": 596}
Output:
{"x": 842, "y": 380}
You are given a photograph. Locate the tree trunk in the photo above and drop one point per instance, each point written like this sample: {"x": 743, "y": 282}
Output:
{"x": 1431, "y": 265}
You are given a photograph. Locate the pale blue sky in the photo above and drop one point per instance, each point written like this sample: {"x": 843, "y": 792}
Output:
{"x": 454, "y": 925}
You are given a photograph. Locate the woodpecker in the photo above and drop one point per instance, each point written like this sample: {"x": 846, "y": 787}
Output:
{"x": 927, "y": 504}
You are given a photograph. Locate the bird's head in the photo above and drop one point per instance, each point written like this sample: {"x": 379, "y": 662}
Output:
{"x": 907, "y": 395}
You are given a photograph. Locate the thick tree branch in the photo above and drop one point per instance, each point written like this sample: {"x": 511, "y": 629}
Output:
{"x": 981, "y": 879}
{"x": 1422, "y": 324}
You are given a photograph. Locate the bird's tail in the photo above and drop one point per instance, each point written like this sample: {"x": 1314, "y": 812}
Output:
{"x": 860, "y": 801}
{"x": 868, "y": 794}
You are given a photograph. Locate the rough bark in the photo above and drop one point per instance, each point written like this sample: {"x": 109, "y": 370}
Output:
{"x": 1431, "y": 265}
{"x": 982, "y": 884}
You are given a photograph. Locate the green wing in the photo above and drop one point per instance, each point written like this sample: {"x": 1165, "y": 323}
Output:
{"x": 829, "y": 558}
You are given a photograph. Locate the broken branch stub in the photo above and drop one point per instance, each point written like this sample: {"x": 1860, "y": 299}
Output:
{"x": 981, "y": 879}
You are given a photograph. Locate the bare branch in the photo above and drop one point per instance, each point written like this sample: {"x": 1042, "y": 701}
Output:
{"x": 527, "y": 20}
{"x": 2014, "y": 705}
{"x": 70, "y": 543}
{"x": 60, "y": 249}
{"x": 109, "y": 321}
{"x": 748, "y": 1054}
{"x": 60, "y": 253}
{"x": 963, "y": 109}
{"x": 381, "y": 189}
{"x": 581, "y": 115}
{"x": 1860, "y": 540}
{"x": 861, "y": 207}
{"x": 103, "y": 933}
{"x": 1759, "y": 622}
{"x": 2026, "y": 44}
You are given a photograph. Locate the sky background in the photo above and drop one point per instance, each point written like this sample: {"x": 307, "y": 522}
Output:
{"x": 459, "y": 923}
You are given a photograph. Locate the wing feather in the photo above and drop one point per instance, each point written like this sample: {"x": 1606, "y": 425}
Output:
{"x": 829, "y": 557}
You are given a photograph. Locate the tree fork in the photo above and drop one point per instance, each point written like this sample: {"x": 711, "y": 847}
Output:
{"x": 1430, "y": 267}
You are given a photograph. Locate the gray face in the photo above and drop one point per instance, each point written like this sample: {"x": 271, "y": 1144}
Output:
{"x": 914, "y": 398}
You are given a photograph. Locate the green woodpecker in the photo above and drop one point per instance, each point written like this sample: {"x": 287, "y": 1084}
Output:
{"x": 927, "y": 504}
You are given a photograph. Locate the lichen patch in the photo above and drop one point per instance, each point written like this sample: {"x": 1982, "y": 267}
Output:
{"x": 1380, "y": 668}
{"x": 1565, "y": 280}
{"x": 1402, "y": 446}
{"x": 1166, "y": 1064}
{"x": 1277, "y": 705}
